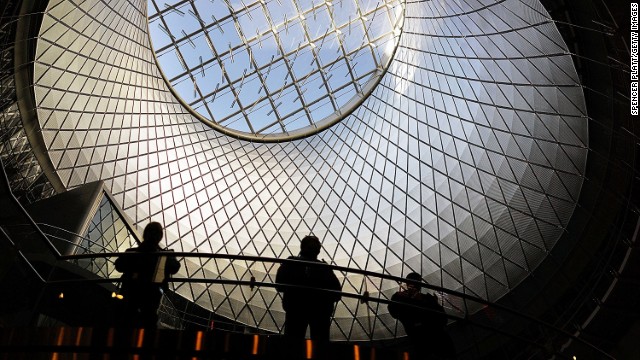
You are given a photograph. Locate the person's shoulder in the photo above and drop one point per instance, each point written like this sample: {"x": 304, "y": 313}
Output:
{"x": 399, "y": 295}
{"x": 285, "y": 266}
{"x": 430, "y": 296}
{"x": 292, "y": 257}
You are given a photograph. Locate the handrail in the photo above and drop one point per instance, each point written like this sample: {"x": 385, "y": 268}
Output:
{"x": 357, "y": 271}
{"x": 68, "y": 232}
{"x": 249, "y": 258}
{"x": 84, "y": 238}
{"x": 22, "y": 256}
{"x": 342, "y": 269}
{"x": 47, "y": 242}
{"x": 59, "y": 257}
{"x": 361, "y": 297}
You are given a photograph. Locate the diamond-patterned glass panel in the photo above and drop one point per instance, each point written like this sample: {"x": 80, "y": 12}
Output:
{"x": 107, "y": 232}
{"x": 464, "y": 163}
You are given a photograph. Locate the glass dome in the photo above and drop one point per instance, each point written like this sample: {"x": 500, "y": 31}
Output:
{"x": 274, "y": 70}
{"x": 464, "y": 162}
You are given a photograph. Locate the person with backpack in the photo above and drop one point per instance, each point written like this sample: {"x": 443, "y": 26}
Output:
{"x": 423, "y": 319}
{"x": 305, "y": 307}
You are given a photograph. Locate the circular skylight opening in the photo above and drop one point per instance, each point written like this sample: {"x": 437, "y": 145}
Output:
{"x": 274, "y": 70}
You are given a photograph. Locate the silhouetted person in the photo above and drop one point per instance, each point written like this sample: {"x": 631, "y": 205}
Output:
{"x": 145, "y": 276}
{"x": 305, "y": 307}
{"x": 424, "y": 321}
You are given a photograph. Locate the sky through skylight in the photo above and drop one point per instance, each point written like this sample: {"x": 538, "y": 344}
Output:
{"x": 274, "y": 69}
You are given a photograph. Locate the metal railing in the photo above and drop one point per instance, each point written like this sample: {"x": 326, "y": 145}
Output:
{"x": 460, "y": 316}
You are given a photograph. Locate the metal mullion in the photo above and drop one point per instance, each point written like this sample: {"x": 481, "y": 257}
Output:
{"x": 259, "y": 74}
{"x": 293, "y": 82}
{"x": 231, "y": 88}
{"x": 366, "y": 29}
{"x": 248, "y": 40}
{"x": 306, "y": 33}
{"x": 218, "y": 56}
{"x": 309, "y": 103}
{"x": 344, "y": 51}
{"x": 278, "y": 121}
{"x": 366, "y": 33}
{"x": 210, "y": 42}
{"x": 315, "y": 57}
{"x": 315, "y": 101}
{"x": 184, "y": 38}
{"x": 320, "y": 98}
{"x": 312, "y": 9}
{"x": 388, "y": 12}
{"x": 202, "y": 98}
{"x": 174, "y": 44}
{"x": 232, "y": 15}
{"x": 236, "y": 95}
{"x": 350, "y": 67}
{"x": 167, "y": 8}
{"x": 271, "y": 96}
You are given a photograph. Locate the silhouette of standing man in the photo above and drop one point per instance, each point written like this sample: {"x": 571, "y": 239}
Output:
{"x": 306, "y": 307}
{"x": 424, "y": 321}
{"x": 145, "y": 276}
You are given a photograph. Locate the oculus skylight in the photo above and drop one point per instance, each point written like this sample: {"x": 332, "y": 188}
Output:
{"x": 274, "y": 69}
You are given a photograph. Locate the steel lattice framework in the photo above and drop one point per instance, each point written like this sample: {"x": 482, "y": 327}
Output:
{"x": 464, "y": 163}
{"x": 281, "y": 69}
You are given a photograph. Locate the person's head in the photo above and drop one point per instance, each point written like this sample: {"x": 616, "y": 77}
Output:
{"x": 310, "y": 246}
{"x": 152, "y": 233}
{"x": 413, "y": 276}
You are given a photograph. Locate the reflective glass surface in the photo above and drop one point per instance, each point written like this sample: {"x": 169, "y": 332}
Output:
{"x": 464, "y": 163}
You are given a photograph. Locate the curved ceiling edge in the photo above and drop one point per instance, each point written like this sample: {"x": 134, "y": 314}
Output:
{"x": 26, "y": 35}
